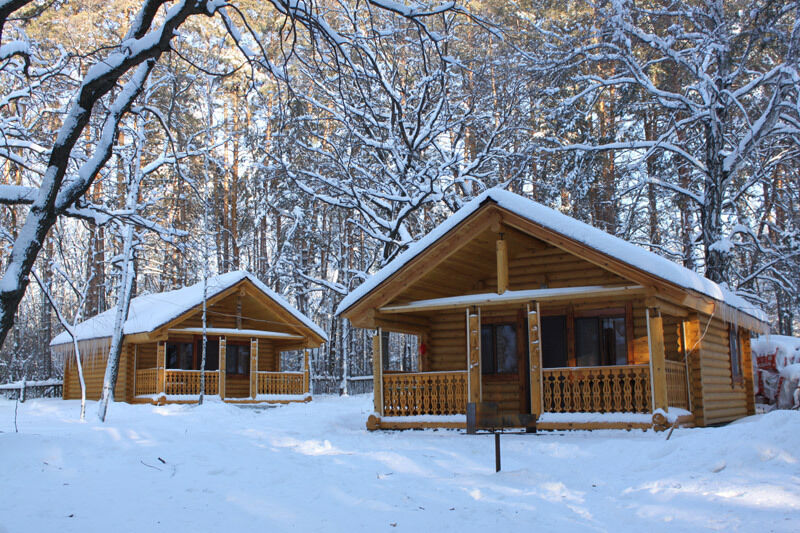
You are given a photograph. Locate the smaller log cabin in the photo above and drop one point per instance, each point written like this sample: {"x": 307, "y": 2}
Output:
{"x": 519, "y": 306}
{"x": 248, "y": 326}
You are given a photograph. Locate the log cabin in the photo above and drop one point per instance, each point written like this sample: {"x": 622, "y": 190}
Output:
{"x": 248, "y": 326}
{"x": 527, "y": 310}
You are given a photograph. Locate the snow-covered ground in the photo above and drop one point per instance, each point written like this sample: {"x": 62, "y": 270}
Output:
{"x": 314, "y": 467}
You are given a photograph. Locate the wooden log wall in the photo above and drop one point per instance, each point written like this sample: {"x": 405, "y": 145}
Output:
{"x": 447, "y": 349}
{"x": 723, "y": 399}
{"x": 267, "y": 356}
{"x": 146, "y": 355}
{"x": 673, "y": 346}
{"x": 555, "y": 268}
{"x": 94, "y": 354}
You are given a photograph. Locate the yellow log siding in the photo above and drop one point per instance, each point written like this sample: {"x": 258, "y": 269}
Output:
{"x": 723, "y": 400}
{"x": 267, "y": 356}
{"x": 94, "y": 354}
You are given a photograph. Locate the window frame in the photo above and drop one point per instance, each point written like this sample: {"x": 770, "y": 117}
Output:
{"x": 178, "y": 343}
{"x": 571, "y": 315}
{"x": 735, "y": 342}
{"x": 237, "y": 343}
{"x": 494, "y": 326}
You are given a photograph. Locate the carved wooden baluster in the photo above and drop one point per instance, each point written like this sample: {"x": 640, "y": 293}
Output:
{"x": 608, "y": 404}
{"x": 409, "y": 395}
{"x": 644, "y": 385}
{"x": 388, "y": 383}
{"x": 428, "y": 401}
{"x": 394, "y": 395}
{"x": 421, "y": 385}
{"x": 445, "y": 394}
{"x": 403, "y": 396}
{"x": 597, "y": 398}
{"x": 628, "y": 380}
{"x": 436, "y": 383}
{"x": 558, "y": 388}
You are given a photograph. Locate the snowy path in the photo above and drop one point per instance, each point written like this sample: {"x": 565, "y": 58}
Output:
{"x": 313, "y": 467}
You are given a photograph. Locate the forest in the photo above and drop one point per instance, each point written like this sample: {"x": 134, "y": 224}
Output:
{"x": 147, "y": 144}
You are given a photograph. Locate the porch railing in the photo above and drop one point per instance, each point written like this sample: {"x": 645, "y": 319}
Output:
{"x": 677, "y": 386}
{"x": 283, "y": 383}
{"x": 176, "y": 382}
{"x": 187, "y": 382}
{"x": 601, "y": 389}
{"x": 425, "y": 393}
{"x": 146, "y": 382}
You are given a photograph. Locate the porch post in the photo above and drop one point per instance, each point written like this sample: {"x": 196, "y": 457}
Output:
{"x": 222, "y": 367}
{"x": 474, "y": 356}
{"x": 535, "y": 357}
{"x": 502, "y": 265}
{"x": 306, "y": 372}
{"x": 161, "y": 363}
{"x": 658, "y": 374}
{"x": 377, "y": 371}
{"x": 253, "y": 368}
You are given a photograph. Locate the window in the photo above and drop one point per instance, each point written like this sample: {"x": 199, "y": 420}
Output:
{"x": 237, "y": 359}
{"x": 180, "y": 355}
{"x": 600, "y": 341}
{"x": 736, "y": 354}
{"x": 554, "y": 341}
{"x": 499, "y": 349}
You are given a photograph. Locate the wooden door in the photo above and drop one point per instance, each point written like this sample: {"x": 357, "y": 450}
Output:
{"x": 504, "y": 365}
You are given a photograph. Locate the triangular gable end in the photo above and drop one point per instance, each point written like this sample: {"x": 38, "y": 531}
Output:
{"x": 463, "y": 261}
{"x": 259, "y": 311}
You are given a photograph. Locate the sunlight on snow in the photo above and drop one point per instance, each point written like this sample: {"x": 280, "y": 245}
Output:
{"x": 399, "y": 463}
{"x": 307, "y": 447}
{"x": 260, "y": 507}
{"x": 111, "y": 431}
{"x": 768, "y": 453}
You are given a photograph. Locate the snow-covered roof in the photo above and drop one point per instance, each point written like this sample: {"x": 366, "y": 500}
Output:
{"x": 151, "y": 311}
{"x": 576, "y": 230}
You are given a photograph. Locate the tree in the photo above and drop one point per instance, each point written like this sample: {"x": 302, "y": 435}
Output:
{"x": 736, "y": 64}
{"x": 110, "y": 87}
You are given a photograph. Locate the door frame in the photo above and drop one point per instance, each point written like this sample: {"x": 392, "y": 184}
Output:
{"x": 522, "y": 375}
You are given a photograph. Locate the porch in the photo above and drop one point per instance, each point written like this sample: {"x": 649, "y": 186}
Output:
{"x": 439, "y": 399}
{"x": 238, "y": 376}
{"x": 647, "y": 381}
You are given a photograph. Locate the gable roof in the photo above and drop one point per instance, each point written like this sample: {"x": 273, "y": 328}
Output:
{"x": 151, "y": 311}
{"x": 571, "y": 228}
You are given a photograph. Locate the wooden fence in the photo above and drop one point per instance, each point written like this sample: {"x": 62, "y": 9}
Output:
{"x": 284, "y": 383}
{"x": 333, "y": 384}
{"x": 424, "y": 393}
{"x": 677, "y": 386}
{"x": 24, "y": 389}
{"x": 601, "y": 389}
